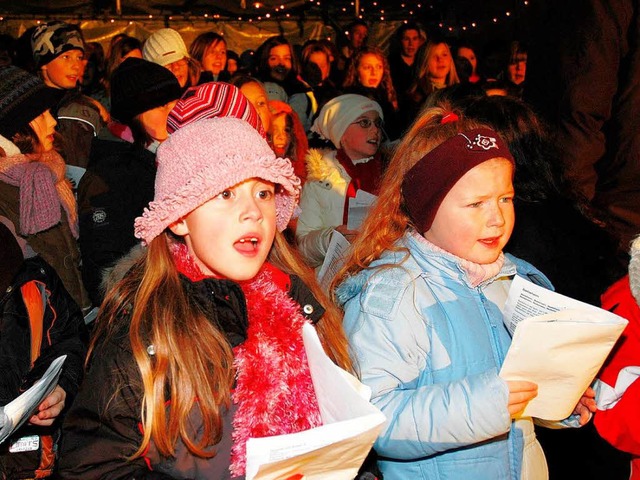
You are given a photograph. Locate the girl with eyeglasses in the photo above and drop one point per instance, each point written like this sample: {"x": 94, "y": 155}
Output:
{"x": 353, "y": 124}
{"x": 369, "y": 75}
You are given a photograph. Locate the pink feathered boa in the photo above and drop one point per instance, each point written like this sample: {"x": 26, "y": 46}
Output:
{"x": 274, "y": 392}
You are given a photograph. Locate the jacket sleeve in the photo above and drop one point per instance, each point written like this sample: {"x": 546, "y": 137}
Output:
{"x": 618, "y": 387}
{"x": 392, "y": 355}
{"x": 312, "y": 232}
{"x": 64, "y": 333}
{"x": 102, "y": 429}
{"x": 592, "y": 66}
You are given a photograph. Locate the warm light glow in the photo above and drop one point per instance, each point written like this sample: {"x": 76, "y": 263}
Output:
{"x": 257, "y": 5}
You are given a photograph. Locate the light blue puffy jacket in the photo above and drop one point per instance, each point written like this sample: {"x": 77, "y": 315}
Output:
{"x": 430, "y": 347}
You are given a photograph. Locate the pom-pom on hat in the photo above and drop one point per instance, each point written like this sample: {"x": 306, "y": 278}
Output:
{"x": 164, "y": 46}
{"x": 138, "y": 86}
{"x": 427, "y": 183}
{"x": 340, "y": 112}
{"x": 204, "y": 158}
{"x": 53, "y": 39}
{"x": 23, "y": 97}
{"x": 213, "y": 99}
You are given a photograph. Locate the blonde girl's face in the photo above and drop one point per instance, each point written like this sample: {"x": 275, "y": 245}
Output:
{"x": 370, "y": 70}
{"x": 44, "y": 127}
{"x": 231, "y": 235}
{"x": 476, "y": 218}
{"x": 280, "y": 134}
{"x": 439, "y": 63}
{"x": 362, "y": 137}
{"x": 257, "y": 96}
{"x": 215, "y": 57}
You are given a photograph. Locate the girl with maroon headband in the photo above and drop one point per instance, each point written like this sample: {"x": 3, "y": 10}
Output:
{"x": 423, "y": 291}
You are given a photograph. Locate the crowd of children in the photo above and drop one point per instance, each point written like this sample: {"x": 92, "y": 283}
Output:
{"x": 161, "y": 222}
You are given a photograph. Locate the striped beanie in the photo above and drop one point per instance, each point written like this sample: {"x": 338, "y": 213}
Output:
{"x": 213, "y": 99}
{"x": 23, "y": 97}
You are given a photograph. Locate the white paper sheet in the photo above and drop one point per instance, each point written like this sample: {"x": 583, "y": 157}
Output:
{"x": 333, "y": 451}
{"x": 359, "y": 207}
{"x": 333, "y": 260}
{"x": 19, "y": 410}
{"x": 561, "y": 351}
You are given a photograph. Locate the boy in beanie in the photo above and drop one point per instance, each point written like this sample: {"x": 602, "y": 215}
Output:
{"x": 58, "y": 53}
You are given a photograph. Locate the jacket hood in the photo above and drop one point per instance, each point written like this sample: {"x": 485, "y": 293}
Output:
{"x": 414, "y": 267}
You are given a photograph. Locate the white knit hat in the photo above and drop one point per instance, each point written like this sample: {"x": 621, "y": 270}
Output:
{"x": 164, "y": 46}
{"x": 339, "y": 112}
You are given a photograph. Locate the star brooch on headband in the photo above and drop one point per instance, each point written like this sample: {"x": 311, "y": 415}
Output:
{"x": 480, "y": 143}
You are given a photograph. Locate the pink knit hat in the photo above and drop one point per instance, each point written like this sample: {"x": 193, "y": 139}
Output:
{"x": 213, "y": 99}
{"x": 204, "y": 158}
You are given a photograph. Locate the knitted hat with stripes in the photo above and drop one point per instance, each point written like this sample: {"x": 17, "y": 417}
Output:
{"x": 213, "y": 99}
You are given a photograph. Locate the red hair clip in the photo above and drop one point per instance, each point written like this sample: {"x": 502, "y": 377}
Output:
{"x": 449, "y": 117}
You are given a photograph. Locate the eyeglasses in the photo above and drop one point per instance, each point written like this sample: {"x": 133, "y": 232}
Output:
{"x": 178, "y": 65}
{"x": 366, "y": 123}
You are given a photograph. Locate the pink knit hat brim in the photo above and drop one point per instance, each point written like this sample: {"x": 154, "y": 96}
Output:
{"x": 205, "y": 158}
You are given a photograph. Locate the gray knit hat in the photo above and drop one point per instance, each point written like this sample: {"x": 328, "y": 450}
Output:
{"x": 53, "y": 39}
{"x": 23, "y": 97}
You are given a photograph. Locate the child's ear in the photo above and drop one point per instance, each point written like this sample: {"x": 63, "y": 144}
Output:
{"x": 179, "y": 227}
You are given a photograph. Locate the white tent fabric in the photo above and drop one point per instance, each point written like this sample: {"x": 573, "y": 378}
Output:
{"x": 240, "y": 36}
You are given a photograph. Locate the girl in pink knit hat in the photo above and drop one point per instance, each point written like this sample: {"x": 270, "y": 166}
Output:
{"x": 199, "y": 347}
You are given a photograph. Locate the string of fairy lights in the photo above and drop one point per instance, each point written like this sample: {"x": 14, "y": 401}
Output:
{"x": 424, "y": 11}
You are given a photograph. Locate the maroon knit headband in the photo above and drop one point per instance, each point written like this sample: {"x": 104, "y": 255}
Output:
{"x": 427, "y": 183}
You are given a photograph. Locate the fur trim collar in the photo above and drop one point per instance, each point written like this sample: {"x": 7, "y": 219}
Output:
{"x": 634, "y": 269}
{"x": 321, "y": 164}
{"x": 274, "y": 392}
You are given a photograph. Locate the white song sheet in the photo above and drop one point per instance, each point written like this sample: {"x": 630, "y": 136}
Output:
{"x": 333, "y": 451}
{"x": 333, "y": 260}
{"x": 559, "y": 343}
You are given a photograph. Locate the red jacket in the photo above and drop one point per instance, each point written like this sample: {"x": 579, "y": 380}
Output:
{"x": 618, "y": 416}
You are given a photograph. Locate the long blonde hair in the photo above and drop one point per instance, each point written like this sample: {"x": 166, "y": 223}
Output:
{"x": 421, "y": 86}
{"x": 388, "y": 220}
{"x": 192, "y": 358}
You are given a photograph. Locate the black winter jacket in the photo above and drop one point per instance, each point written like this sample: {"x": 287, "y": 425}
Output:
{"x": 118, "y": 184}
{"x": 103, "y": 427}
{"x": 64, "y": 333}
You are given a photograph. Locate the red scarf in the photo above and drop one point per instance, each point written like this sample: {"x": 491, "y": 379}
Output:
{"x": 274, "y": 392}
{"x": 364, "y": 176}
